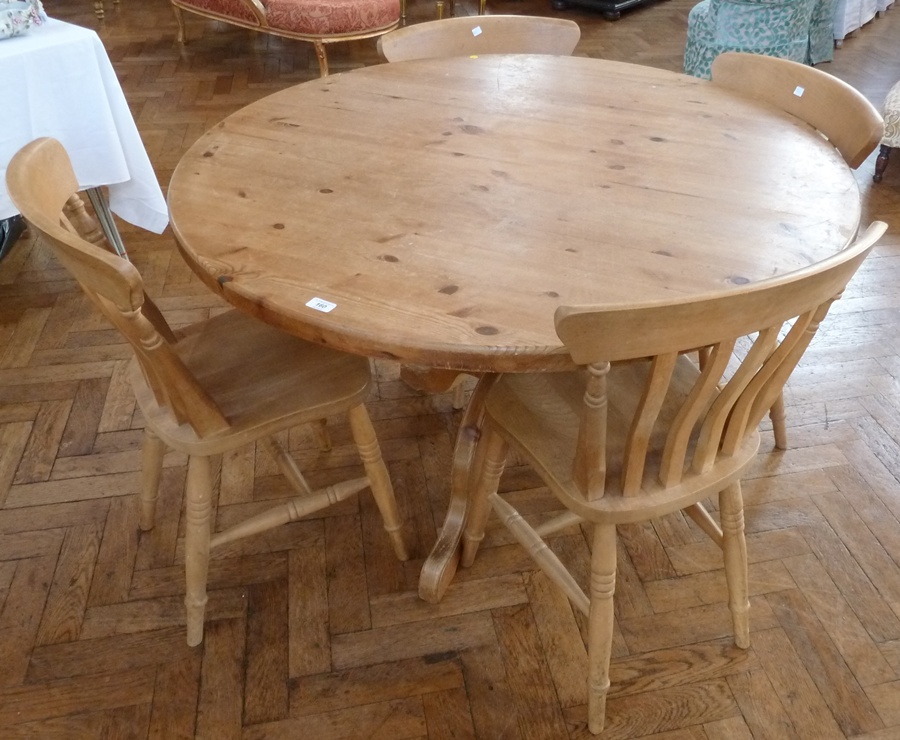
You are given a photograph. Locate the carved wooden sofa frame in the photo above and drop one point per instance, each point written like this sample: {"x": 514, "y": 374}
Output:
{"x": 257, "y": 19}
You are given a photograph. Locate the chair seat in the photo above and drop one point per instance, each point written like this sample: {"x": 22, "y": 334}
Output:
{"x": 289, "y": 378}
{"x": 311, "y": 17}
{"x": 541, "y": 414}
{"x": 892, "y": 117}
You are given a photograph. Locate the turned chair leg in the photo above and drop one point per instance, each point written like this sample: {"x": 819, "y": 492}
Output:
{"x": 600, "y": 622}
{"x": 779, "y": 430}
{"x": 198, "y": 505}
{"x": 151, "y": 469}
{"x": 323, "y": 438}
{"x": 731, "y": 513}
{"x": 881, "y": 162}
{"x": 379, "y": 479}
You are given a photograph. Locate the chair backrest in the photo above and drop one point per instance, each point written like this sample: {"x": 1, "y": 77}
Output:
{"x": 840, "y": 112}
{"x": 719, "y": 405}
{"x": 41, "y": 182}
{"x": 483, "y": 34}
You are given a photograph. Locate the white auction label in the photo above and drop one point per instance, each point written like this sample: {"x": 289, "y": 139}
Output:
{"x": 320, "y": 304}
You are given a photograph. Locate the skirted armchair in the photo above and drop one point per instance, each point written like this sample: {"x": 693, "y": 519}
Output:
{"x": 800, "y": 30}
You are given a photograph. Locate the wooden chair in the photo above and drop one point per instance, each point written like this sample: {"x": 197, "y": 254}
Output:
{"x": 496, "y": 34}
{"x": 215, "y": 386}
{"x": 487, "y": 34}
{"x": 641, "y": 431}
{"x": 842, "y": 114}
{"x": 838, "y": 111}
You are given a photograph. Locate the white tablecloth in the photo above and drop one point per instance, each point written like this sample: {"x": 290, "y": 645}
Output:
{"x": 58, "y": 81}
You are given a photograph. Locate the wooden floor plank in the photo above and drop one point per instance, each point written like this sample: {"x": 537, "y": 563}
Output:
{"x": 796, "y": 689}
{"x": 411, "y": 640}
{"x": 488, "y": 689}
{"x": 447, "y": 715}
{"x": 266, "y": 661}
{"x": 666, "y": 710}
{"x": 836, "y": 683}
{"x": 393, "y": 720}
{"x": 28, "y": 703}
{"x": 107, "y": 655}
{"x": 838, "y": 619}
{"x": 354, "y": 687}
{"x": 128, "y": 722}
{"x": 174, "y": 707}
{"x": 309, "y": 640}
{"x": 760, "y": 705}
{"x": 68, "y": 596}
{"x": 221, "y": 700}
{"x": 527, "y": 674}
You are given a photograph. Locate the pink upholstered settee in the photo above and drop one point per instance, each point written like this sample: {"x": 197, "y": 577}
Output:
{"x": 317, "y": 21}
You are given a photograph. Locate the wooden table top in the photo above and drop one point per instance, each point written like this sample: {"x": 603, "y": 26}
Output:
{"x": 446, "y": 207}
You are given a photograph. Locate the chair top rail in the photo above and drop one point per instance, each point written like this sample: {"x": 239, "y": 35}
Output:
{"x": 483, "y": 34}
{"x": 839, "y": 111}
{"x": 610, "y": 333}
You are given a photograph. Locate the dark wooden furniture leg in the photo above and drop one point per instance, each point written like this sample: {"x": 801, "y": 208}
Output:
{"x": 882, "y": 162}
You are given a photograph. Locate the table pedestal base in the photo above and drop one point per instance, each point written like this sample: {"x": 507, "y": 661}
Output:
{"x": 443, "y": 560}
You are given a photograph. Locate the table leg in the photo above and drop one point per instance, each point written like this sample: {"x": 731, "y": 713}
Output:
{"x": 104, "y": 215}
{"x": 99, "y": 10}
{"x": 442, "y": 561}
{"x": 451, "y": 10}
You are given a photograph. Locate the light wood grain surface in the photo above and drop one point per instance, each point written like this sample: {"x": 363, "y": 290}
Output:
{"x": 447, "y": 207}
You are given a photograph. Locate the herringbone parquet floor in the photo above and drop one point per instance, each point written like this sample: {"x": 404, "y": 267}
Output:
{"x": 316, "y": 632}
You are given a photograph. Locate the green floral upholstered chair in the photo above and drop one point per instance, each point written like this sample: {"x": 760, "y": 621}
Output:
{"x": 800, "y": 30}
{"x": 821, "y": 32}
